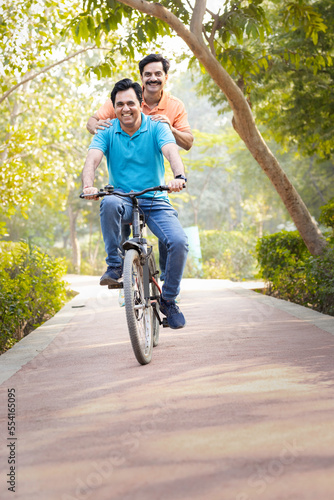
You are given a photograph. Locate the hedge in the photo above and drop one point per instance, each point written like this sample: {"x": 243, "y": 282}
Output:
{"x": 293, "y": 274}
{"x": 31, "y": 290}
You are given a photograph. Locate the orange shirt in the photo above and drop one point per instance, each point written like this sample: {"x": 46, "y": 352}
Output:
{"x": 169, "y": 106}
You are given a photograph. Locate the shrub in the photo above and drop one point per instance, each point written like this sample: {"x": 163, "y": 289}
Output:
{"x": 294, "y": 274}
{"x": 327, "y": 217}
{"x": 320, "y": 276}
{"x": 31, "y": 290}
{"x": 279, "y": 251}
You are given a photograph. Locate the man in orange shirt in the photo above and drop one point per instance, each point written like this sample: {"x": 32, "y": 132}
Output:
{"x": 157, "y": 103}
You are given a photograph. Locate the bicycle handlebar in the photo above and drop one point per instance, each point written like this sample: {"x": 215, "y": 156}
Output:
{"x": 110, "y": 190}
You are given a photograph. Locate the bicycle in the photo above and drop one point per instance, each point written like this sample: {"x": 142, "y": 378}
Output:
{"x": 141, "y": 289}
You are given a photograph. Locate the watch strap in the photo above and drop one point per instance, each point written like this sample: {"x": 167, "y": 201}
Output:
{"x": 180, "y": 176}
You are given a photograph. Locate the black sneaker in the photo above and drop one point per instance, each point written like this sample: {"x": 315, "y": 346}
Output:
{"x": 111, "y": 276}
{"x": 174, "y": 316}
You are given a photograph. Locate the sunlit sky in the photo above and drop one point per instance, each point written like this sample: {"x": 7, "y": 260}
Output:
{"x": 214, "y": 5}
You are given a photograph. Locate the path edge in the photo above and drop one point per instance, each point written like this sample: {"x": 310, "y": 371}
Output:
{"x": 33, "y": 344}
{"x": 322, "y": 321}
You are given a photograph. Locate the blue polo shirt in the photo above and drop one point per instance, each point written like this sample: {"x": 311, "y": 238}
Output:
{"x": 135, "y": 163}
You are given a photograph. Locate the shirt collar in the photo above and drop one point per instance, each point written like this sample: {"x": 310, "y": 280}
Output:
{"x": 162, "y": 104}
{"x": 142, "y": 128}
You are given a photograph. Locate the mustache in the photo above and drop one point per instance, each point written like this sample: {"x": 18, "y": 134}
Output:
{"x": 151, "y": 81}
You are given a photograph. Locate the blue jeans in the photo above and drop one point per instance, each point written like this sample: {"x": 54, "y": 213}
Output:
{"x": 162, "y": 220}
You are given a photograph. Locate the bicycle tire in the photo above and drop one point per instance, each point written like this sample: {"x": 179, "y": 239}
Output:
{"x": 139, "y": 318}
{"x": 155, "y": 294}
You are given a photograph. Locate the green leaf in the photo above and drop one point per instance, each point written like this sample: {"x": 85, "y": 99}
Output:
{"x": 297, "y": 60}
{"x": 264, "y": 63}
{"x": 91, "y": 25}
{"x": 315, "y": 37}
{"x": 141, "y": 34}
{"x": 254, "y": 31}
{"x": 261, "y": 33}
{"x": 83, "y": 29}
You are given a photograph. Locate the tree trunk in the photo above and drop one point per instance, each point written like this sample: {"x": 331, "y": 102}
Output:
{"x": 243, "y": 120}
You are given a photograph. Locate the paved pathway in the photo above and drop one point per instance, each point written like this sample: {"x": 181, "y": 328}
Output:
{"x": 237, "y": 406}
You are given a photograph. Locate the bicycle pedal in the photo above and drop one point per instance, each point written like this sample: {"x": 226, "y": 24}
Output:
{"x": 165, "y": 323}
{"x": 116, "y": 285}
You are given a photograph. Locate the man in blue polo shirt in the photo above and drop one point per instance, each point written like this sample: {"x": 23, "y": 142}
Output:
{"x": 135, "y": 147}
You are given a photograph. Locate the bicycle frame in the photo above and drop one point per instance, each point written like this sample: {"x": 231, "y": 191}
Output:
{"x": 137, "y": 242}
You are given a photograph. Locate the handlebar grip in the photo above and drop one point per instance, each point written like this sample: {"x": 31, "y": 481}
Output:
{"x": 166, "y": 188}
{"x": 97, "y": 195}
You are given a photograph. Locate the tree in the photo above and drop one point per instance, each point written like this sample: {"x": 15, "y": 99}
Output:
{"x": 304, "y": 112}
{"x": 291, "y": 89}
{"x": 44, "y": 109}
{"x": 205, "y": 33}
{"x": 33, "y": 88}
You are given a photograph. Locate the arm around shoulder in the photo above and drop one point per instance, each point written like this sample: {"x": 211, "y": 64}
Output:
{"x": 92, "y": 123}
{"x": 101, "y": 119}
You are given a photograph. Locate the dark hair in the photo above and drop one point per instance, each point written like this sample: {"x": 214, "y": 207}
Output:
{"x": 126, "y": 84}
{"x": 154, "y": 58}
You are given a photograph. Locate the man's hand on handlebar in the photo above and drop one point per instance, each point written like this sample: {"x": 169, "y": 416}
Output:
{"x": 90, "y": 190}
{"x": 92, "y": 193}
{"x": 176, "y": 185}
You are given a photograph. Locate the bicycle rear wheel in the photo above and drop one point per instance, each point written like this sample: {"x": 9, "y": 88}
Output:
{"x": 155, "y": 297}
{"x": 139, "y": 317}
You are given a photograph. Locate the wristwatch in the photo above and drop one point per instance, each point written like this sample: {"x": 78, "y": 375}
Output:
{"x": 180, "y": 176}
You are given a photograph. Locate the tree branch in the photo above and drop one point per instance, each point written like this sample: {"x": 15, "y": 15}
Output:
{"x": 211, "y": 39}
{"x": 45, "y": 70}
{"x": 160, "y": 12}
{"x": 210, "y": 43}
{"x": 197, "y": 18}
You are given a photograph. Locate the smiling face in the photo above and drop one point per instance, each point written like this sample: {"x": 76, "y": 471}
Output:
{"x": 128, "y": 111}
{"x": 153, "y": 78}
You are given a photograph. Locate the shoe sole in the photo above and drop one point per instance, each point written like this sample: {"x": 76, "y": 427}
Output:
{"x": 176, "y": 327}
{"x": 111, "y": 282}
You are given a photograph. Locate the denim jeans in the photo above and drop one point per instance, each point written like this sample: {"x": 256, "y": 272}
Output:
{"x": 162, "y": 220}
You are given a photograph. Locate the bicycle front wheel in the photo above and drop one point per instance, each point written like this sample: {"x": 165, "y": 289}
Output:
{"x": 138, "y": 316}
